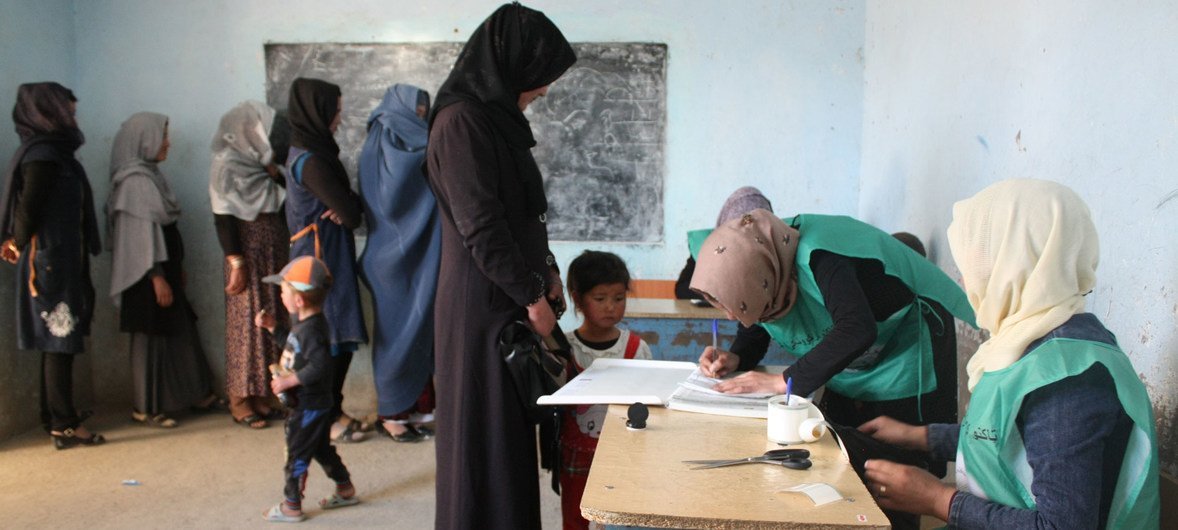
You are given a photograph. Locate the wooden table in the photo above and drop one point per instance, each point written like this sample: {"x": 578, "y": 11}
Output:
{"x": 638, "y": 478}
{"x": 677, "y": 330}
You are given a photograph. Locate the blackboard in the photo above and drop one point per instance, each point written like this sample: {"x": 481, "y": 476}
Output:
{"x": 600, "y": 130}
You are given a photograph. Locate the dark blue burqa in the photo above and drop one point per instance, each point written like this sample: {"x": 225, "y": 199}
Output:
{"x": 400, "y": 260}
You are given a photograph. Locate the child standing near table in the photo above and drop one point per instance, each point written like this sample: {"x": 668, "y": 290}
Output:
{"x": 598, "y": 283}
{"x": 306, "y": 369}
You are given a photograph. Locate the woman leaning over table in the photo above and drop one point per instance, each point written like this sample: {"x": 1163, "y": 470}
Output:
{"x": 1059, "y": 432}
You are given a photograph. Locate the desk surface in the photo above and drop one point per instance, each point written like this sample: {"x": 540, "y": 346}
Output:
{"x": 664, "y": 308}
{"x": 638, "y": 479}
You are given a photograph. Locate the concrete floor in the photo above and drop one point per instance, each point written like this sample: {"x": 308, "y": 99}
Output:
{"x": 209, "y": 473}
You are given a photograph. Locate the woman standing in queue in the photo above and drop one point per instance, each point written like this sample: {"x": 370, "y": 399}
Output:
{"x": 50, "y": 231}
{"x": 495, "y": 266}
{"x": 247, "y": 196}
{"x": 321, "y": 213}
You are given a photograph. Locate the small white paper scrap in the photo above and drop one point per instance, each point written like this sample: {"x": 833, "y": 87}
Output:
{"x": 818, "y": 492}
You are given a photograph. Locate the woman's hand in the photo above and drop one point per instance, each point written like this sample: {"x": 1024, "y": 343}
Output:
{"x": 163, "y": 291}
{"x": 9, "y": 252}
{"x": 908, "y": 489}
{"x": 265, "y": 321}
{"x": 334, "y": 217}
{"x": 237, "y": 275}
{"x": 541, "y": 317}
{"x": 556, "y": 293}
{"x": 896, "y": 432}
{"x": 718, "y": 363}
{"x": 759, "y": 382}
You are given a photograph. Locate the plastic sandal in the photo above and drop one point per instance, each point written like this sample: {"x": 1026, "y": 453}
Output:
{"x": 275, "y": 515}
{"x": 335, "y": 501}
{"x": 410, "y": 435}
{"x": 66, "y": 439}
{"x": 159, "y": 420}
{"x": 253, "y": 421}
{"x": 350, "y": 434}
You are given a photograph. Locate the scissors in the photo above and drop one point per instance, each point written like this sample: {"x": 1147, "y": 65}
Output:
{"x": 791, "y": 458}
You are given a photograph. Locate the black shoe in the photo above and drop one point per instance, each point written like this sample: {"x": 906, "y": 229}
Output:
{"x": 409, "y": 436}
{"x": 68, "y": 439}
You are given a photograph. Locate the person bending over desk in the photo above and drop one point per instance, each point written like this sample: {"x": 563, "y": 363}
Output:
{"x": 1059, "y": 432}
{"x": 858, "y": 307}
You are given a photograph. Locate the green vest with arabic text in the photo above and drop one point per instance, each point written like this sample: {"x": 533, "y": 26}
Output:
{"x": 899, "y": 364}
{"x": 991, "y": 458}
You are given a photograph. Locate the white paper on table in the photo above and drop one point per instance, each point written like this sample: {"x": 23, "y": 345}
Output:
{"x": 818, "y": 492}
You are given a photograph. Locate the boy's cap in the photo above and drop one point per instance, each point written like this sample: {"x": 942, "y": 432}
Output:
{"x": 303, "y": 273}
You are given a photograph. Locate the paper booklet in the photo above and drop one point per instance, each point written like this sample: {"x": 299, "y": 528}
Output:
{"x": 675, "y": 384}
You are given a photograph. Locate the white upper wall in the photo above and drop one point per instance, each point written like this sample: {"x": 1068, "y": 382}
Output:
{"x": 962, "y": 94}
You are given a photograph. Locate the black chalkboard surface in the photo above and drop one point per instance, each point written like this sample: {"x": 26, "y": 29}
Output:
{"x": 600, "y": 129}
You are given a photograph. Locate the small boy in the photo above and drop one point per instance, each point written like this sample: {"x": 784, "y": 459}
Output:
{"x": 306, "y": 367}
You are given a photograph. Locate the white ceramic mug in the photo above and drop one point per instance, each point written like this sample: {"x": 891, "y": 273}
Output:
{"x": 794, "y": 422}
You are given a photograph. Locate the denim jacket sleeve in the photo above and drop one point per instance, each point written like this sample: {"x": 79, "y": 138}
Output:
{"x": 1064, "y": 426}
{"x": 942, "y": 440}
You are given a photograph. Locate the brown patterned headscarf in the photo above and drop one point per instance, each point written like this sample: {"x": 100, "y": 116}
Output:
{"x": 747, "y": 267}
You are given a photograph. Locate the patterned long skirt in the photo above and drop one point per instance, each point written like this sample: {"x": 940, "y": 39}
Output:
{"x": 249, "y": 350}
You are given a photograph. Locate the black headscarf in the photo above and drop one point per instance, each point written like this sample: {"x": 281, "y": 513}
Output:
{"x": 515, "y": 50}
{"x": 42, "y": 115}
{"x": 313, "y": 105}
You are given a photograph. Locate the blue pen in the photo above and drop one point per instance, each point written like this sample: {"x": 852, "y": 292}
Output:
{"x": 789, "y": 386}
{"x": 715, "y": 340}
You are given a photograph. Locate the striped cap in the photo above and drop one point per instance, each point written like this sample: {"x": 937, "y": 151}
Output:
{"x": 303, "y": 273}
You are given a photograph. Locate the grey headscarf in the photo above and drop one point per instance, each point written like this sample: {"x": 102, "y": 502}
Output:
{"x": 742, "y": 201}
{"x": 140, "y": 200}
{"x": 238, "y": 182}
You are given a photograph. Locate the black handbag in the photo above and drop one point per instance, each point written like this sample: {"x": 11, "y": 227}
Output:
{"x": 539, "y": 367}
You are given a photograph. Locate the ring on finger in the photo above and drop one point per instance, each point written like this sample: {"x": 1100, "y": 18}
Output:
{"x": 883, "y": 490}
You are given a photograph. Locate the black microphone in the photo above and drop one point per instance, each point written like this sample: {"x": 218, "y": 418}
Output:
{"x": 636, "y": 416}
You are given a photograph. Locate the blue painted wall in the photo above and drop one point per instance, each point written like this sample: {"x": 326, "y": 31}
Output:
{"x": 962, "y": 94}
{"x": 36, "y": 44}
{"x": 889, "y": 110}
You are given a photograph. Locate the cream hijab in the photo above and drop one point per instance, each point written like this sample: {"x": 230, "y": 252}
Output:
{"x": 1028, "y": 252}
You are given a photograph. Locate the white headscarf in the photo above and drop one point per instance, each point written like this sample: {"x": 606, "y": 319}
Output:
{"x": 1028, "y": 252}
{"x": 238, "y": 182}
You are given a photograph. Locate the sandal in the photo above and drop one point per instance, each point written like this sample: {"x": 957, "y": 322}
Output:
{"x": 67, "y": 439}
{"x": 427, "y": 432}
{"x": 350, "y": 434}
{"x": 336, "y": 501}
{"x": 253, "y": 421}
{"x": 275, "y": 515}
{"x": 210, "y": 404}
{"x": 159, "y": 420}
{"x": 410, "y": 435}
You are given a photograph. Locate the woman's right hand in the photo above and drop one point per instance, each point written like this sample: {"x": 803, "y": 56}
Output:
{"x": 237, "y": 278}
{"x": 541, "y": 317}
{"x": 897, "y": 433}
{"x": 718, "y": 363}
{"x": 9, "y": 252}
{"x": 163, "y": 291}
{"x": 265, "y": 320}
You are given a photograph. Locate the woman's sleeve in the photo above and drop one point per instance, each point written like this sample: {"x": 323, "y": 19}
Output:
{"x": 227, "y": 233}
{"x": 466, "y": 180}
{"x": 1066, "y": 427}
{"x": 853, "y": 329}
{"x": 683, "y": 284}
{"x": 332, "y": 190}
{"x": 750, "y": 344}
{"x": 38, "y": 182}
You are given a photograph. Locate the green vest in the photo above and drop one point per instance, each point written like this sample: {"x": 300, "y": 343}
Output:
{"x": 899, "y": 364}
{"x": 991, "y": 459}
